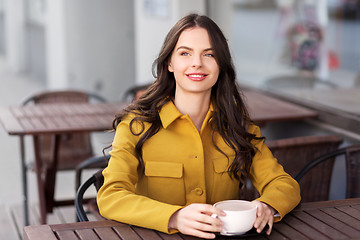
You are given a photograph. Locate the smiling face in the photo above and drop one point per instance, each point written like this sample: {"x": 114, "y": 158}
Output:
{"x": 193, "y": 63}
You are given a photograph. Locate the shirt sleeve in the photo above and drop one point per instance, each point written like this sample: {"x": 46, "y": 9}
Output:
{"x": 117, "y": 198}
{"x": 276, "y": 187}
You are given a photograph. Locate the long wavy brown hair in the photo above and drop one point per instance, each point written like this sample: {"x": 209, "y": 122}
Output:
{"x": 230, "y": 117}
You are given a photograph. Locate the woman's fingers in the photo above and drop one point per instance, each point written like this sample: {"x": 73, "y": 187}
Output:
{"x": 265, "y": 216}
{"x": 271, "y": 221}
{"x": 196, "y": 220}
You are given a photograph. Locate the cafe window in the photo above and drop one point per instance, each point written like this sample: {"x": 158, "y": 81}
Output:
{"x": 308, "y": 50}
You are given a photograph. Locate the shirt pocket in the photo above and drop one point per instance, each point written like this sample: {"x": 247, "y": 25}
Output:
{"x": 165, "y": 182}
{"x": 224, "y": 187}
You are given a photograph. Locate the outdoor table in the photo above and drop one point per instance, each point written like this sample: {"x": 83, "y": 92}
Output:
{"x": 337, "y": 219}
{"x": 55, "y": 119}
{"x": 63, "y": 118}
{"x": 264, "y": 108}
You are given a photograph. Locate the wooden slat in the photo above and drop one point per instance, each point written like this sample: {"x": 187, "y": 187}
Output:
{"x": 325, "y": 204}
{"x": 29, "y": 111}
{"x": 334, "y": 223}
{"x": 51, "y": 122}
{"x": 17, "y": 212}
{"x": 126, "y": 232}
{"x": 106, "y": 233}
{"x": 85, "y": 225}
{"x": 9, "y": 121}
{"x": 17, "y": 111}
{"x": 275, "y": 235}
{"x": 305, "y": 229}
{"x": 68, "y": 213}
{"x": 321, "y": 226}
{"x": 67, "y": 235}
{"x": 355, "y": 213}
{"x": 170, "y": 236}
{"x": 145, "y": 233}
{"x": 26, "y": 125}
{"x": 87, "y": 234}
{"x": 52, "y": 218}
{"x": 39, "y": 232}
{"x": 349, "y": 220}
{"x": 288, "y": 231}
{"x": 8, "y": 229}
{"x": 356, "y": 206}
{"x": 38, "y": 124}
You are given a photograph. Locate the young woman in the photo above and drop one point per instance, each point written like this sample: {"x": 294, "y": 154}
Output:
{"x": 188, "y": 142}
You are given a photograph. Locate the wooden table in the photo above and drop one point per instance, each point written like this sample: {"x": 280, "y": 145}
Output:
{"x": 54, "y": 119}
{"x": 338, "y": 219}
{"x": 85, "y": 117}
{"x": 265, "y": 108}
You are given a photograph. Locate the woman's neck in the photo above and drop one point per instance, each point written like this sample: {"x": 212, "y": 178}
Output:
{"x": 194, "y": 105}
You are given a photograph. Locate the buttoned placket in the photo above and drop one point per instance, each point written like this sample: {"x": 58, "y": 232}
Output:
{"x": 194, "y": 168}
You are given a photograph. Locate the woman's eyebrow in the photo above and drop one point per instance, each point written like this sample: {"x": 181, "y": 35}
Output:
{"x": 184, "y": 47}
{"x": 208, "y": 49}
{"x": 190, "y": 49}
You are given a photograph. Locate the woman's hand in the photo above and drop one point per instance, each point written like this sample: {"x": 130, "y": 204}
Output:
{"x": 265, "y": 215}
{"x": 196, "y": 220}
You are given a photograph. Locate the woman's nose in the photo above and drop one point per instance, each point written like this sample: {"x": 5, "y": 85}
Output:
{"x": 197, "y": 61}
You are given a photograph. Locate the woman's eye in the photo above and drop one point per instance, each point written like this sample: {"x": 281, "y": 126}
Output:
{"x": 184, "y": 54}
{"x": 209, "y": 55}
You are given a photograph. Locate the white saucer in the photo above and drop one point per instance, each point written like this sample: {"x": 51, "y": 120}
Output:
{"x": 232, "y": 234}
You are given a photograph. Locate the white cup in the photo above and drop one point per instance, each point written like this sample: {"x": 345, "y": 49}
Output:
{"x": 240, "y": 216}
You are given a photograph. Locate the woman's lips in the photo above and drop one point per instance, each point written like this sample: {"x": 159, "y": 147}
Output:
{"x": 196, "y": 76}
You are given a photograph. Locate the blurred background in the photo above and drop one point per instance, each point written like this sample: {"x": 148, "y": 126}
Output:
{"x": 305, "y": 51}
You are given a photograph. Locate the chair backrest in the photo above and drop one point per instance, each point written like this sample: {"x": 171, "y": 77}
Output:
{"x": 97, "y": 179}
{"x": 294, "y": 153}
{"x": 135, "y": 92}
{"x": 353, "y": 171}
{"x": 93, "y": 162}
{"x": 74, "y": 148}
{"x": 352, "y": 159}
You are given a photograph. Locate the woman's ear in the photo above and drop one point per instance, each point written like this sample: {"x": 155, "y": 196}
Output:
{"x": 170, "y": 68}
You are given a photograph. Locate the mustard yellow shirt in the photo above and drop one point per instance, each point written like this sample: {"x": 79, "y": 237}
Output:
{"x": 182, "y": 166}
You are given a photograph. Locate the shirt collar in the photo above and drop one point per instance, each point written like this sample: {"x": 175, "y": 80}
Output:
{"x": 169, "y": 113}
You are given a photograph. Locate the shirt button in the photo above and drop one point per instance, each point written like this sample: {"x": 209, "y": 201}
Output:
{"x": 198, "y": 191}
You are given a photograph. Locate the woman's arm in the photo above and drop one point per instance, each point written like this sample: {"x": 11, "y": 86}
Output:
{"x": 117, "y": 199}
{"x": 277, "y": 188}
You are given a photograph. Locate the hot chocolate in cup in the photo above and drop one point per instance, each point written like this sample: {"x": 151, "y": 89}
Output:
{"x": 240, "y": 216}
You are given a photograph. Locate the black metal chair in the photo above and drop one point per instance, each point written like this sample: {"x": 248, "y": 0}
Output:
{"x": 97, "y": 179}
{"x": 93, "y": 162}
{"x": 135, "y": 92}
{"x": 352, "y": 159}
{"x": 293, "y": 154}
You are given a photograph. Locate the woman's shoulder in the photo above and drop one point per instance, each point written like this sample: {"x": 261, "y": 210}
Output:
{"x": 253, "y": 129}
{"x": 134, "y": 121}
